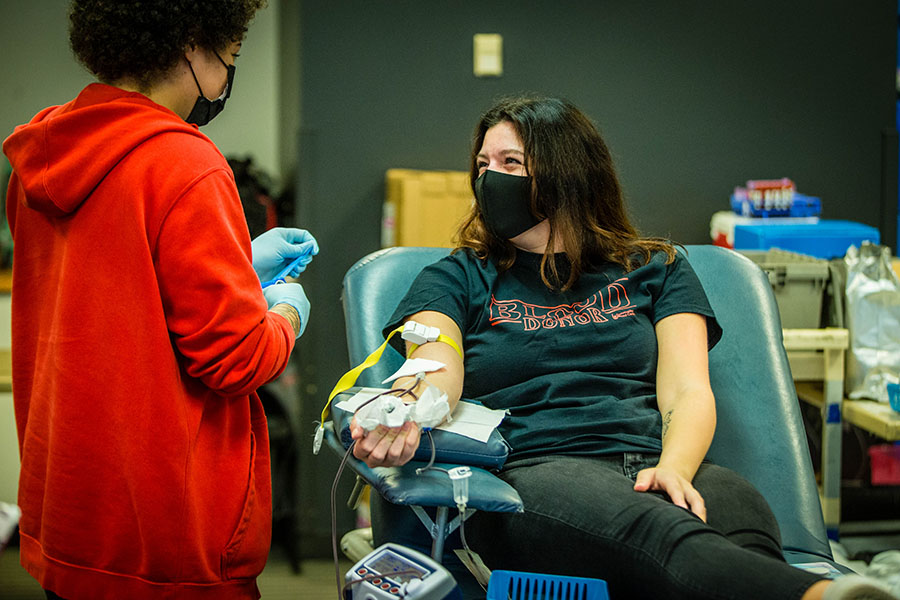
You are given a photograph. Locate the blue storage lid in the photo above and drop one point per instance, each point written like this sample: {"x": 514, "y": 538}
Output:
{"x": 825, "y": 239}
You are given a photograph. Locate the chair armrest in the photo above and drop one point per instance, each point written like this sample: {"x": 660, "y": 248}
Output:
{"x": 449, "y": 447}
{"x": 401, "y": 485}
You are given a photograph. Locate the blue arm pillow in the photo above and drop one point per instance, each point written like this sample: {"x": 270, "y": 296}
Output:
{"x": 449, "y": 447}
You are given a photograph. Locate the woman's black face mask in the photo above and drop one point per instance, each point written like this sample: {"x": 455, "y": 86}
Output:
{"x": 205, "y": 110}
{"x": 505, "y": 203}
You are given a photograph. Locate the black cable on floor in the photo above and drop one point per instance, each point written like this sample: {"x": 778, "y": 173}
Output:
{"x": 334, "y": 543}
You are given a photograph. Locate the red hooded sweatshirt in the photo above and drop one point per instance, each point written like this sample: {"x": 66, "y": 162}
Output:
{"x": 139, "y": 334}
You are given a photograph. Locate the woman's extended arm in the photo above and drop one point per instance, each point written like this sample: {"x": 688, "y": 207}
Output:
{"x": 688, "y": 410}
{"x": 387, "y": 447}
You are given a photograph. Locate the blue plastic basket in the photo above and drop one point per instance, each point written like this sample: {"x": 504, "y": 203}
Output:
{"x": 517, "y": 585}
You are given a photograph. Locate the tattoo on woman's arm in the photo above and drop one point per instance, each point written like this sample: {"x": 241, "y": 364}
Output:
{"x": 666, "y": 421}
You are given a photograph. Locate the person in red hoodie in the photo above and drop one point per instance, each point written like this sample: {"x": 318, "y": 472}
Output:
{"x": 140, "y": 331}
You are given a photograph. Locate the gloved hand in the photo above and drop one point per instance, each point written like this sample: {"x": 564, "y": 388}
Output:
{"x": 274, "y": 249}
{"x": 292, "y": 294}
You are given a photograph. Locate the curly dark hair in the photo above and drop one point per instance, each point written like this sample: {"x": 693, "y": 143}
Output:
{"x": 144, "y": 39}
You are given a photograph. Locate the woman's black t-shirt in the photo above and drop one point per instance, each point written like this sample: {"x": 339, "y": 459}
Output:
{"x": 576, "y": 370}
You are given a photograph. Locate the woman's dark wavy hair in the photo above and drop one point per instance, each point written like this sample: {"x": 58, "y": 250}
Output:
{"x": 575, "y": 186}
{"x": 144, "y": 39}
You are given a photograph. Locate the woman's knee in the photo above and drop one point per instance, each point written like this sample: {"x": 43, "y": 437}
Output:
{"x": 735, "y": 508}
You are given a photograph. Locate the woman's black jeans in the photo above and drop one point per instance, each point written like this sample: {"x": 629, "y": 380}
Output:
{"x": 582, "y": 517}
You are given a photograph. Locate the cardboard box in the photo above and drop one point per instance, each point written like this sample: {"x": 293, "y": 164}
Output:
{"x": 424, "y": 208}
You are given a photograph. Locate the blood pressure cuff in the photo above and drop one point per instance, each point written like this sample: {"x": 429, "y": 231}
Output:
{"x": 449, "y": 447}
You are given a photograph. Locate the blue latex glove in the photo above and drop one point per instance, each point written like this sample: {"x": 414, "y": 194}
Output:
{"x": 276, "y": 248}
{"x": 292, "y": 294}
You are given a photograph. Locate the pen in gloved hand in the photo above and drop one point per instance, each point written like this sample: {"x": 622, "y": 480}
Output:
{"x": 303, "y": 259}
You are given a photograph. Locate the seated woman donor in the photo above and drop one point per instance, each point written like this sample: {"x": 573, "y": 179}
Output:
{"x": 595, "y": 341}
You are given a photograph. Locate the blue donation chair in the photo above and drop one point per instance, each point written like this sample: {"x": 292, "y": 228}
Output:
{"x": 759, "y": 432}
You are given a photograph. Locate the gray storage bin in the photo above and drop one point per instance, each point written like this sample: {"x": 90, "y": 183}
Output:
{"x": 798, "y": 281}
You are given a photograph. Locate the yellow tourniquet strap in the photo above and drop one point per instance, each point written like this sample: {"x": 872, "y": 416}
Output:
{"x": 349, "y": 379}
{"x": 440, "y": 338}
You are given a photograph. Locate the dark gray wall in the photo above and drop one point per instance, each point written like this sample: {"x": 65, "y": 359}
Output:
{"x": 693, "y": 98}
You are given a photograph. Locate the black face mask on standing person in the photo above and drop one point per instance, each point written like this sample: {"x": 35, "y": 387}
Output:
{"x": 505, "y": 203}
{"x": 205, "y": 110}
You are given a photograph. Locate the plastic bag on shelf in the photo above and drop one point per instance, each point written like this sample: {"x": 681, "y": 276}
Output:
{"x": 872, "y": 313}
